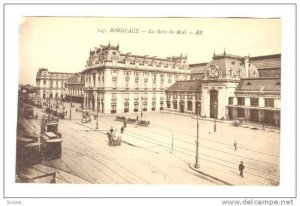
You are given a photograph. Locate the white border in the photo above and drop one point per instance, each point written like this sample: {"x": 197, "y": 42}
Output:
{"x": 285, "y": 12}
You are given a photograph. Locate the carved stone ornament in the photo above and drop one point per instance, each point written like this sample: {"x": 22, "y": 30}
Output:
{"x": 213, "y": 71}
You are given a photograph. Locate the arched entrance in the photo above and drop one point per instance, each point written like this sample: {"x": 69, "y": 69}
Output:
{"x": 213, "y": 103}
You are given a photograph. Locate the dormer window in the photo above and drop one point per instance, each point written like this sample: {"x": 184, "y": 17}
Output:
{"x": 249, "y": 83}
{"x": 278, "y": 83}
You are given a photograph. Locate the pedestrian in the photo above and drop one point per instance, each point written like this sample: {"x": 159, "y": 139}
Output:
{"x": 111, "y": 130}
{"x": 125, "y": 124}
{"x": 235, "y": 145}
{"x": 137, "y": 117}
{"x": 241, "y": 168}
{"x": 122, "y": 130}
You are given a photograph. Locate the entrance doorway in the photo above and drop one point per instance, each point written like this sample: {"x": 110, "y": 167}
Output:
{"x": 269, "y": 117}
{"x": 254, "y": 115}
{"x": 182, "y": 106}
{"x": 213, "y": 103}
{"x": 230, "y": 113}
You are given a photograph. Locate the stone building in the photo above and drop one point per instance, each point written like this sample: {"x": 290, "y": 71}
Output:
{"x": 229, "y": 87}
{"x": 51, "y": 84}
{"x": 267, "y": 66}
{"x": 75, "y": 88}
{"x": 184, "y": 96}
{"x": 256, "y": 100}
{"x": 117, "y": 82}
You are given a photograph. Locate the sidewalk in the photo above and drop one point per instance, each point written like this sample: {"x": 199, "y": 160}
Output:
{"x": 246, "y": 124}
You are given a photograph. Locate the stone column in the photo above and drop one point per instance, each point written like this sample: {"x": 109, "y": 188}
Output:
{"x": 247, "y": 114}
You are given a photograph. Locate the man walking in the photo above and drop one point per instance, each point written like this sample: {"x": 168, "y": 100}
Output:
{"x": 235, "y": 145}
{"x": 241, "y": 168}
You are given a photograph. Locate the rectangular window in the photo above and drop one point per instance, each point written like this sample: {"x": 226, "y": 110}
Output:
{"x": 153, "y": 106}
{"x": 190, "y": 105}
{"x": 144, "y": 106}
{"x": 126, "y": 106}
{"x": 241, "y": 101}
{"x": 113, "y": 108}
{"x": 114, "y": 83}
{"x": 175, "y": 105}
{"x": 113, "y": 96}
{"x": 168, "y": 104}
{"x": 230, "y": 100}
{"x": 126, "y": 96}
{"x": 269, "y": 102}
{"x": 161, "y": 105}
{"x": 127, "y": 84}
{"x": 254, "y": 102}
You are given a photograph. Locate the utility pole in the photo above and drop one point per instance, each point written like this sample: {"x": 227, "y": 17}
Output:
{"x": 141, "y": 107}
{"x": 70, "y": 107}
{"x": 81, "y": 113}
{"x": 97, "y": 111}
{"x": 215, "y": 125}
{"x": 197, "y": 141}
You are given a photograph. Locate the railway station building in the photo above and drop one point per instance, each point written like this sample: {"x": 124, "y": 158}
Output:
{"x": 230, "y": 87}
{"x": 117, "y": 82}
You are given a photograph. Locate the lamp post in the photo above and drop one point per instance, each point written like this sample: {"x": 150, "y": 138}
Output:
{"x": 197, "y": 141}
{"x": 97, "y": 111}
{"x": 141, "y": 107}
{"x": 56, "y": 104}
{"x": 215, "y": 125}
{"x": 70, "y": 107}
{"x": 81, "y": 113}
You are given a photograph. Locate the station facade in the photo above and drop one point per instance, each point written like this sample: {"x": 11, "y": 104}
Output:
{"x": 229, "y": 87}
{"x": 118, "y": 82}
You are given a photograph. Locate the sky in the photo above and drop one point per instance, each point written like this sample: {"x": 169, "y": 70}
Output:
{"x": 62, "y": 44}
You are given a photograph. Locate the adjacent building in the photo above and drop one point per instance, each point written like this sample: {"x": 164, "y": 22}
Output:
{"x": 230, "y": 87}
{"x": 257, "y": 100}
{"x": 267, "y": 66}
{"x": 75, "y": 88}
{"x": 51, "y": 84}
{"x": 117, "y": 82}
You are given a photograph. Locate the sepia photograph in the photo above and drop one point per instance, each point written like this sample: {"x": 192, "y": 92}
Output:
{"x": 149, "y": 101}
{"x": 103, "y": 102}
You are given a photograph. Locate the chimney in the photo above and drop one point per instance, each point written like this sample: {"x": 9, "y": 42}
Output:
{"x": 246, "y": 66}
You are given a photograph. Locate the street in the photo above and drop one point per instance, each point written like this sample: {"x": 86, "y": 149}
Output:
{"x": 147, "y": 156}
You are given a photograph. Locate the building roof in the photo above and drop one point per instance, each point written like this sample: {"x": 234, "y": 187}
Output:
{"x": 186, "y": 86}
{"x": 76, "y": 79}
{"x": 259, "y": 84}
{"x": 267, "y": 61}
{"x": 198, "y": 68}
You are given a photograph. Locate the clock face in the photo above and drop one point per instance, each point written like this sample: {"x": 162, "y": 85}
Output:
{"x": 213, "y": 72}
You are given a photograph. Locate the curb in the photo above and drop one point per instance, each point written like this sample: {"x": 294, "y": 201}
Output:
{"x": 215, "y": 178}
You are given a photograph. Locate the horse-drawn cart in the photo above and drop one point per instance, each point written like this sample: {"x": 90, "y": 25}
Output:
{"x": 113, "y": 139}
{"x": 143, "y": 123}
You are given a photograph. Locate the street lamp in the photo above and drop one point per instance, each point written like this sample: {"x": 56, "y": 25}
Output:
{"x": 141, "y": 107}
{"x": 197, "y": 141}
{"x": 56, "y": 104}
{"x": 215, "y": 125}
{"x": 81, "y": 113}
{"x": 97, "y": 111}
{"x": 70, "y": 107}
